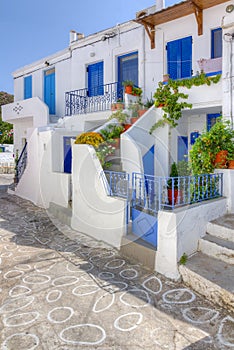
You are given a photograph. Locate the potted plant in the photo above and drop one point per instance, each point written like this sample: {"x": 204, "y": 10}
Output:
{"x": 172, "y": 186}
{"x": 137, "y": 91}
{"x": 111, "y": 134}
{"x": 203, "y": 155}
{"x": 128, "y": 85}
{"x": 122, "y": 118}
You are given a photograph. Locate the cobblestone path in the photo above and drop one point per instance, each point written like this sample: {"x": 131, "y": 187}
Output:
{"x": 63, "y": 290}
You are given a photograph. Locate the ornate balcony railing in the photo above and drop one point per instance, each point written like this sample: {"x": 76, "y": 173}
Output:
{"x": 97, "y": 99}
{"x": 21, "y": 163}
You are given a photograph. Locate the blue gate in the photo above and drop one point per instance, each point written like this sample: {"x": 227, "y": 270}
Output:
{"x": 145, "y": 206}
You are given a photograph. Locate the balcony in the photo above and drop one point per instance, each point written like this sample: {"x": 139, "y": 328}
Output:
{"x": 210, "y": 65}
{"x": 99, "y": 98}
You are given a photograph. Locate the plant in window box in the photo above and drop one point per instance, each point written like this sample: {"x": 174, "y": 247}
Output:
{"x": 128, "y": 85}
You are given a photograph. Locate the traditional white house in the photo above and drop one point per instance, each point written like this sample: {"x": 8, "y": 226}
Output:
{"x": 72, "y": 91}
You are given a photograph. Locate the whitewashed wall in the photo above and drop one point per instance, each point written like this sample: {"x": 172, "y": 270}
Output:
{"x": 93, "y": 212}
{"x": 179, "y": 232}
{"x": 39, "y": 183}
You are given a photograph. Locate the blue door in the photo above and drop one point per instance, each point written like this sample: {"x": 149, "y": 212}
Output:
{"x": 95, "y": 79}
{"x": 128, "y": 68}
{"x": 179, "y": 58}
{"x": 211, "y": 120}
{"x": 28, "y": 87}
{"x": 148, "y": 162}
{"x": 49, "y": 90}
{"x": 67, "y": 153}
{"x": 182, "y": 148}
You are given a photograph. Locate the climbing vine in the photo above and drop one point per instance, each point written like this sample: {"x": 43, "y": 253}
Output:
{"x": 173, "y": 102}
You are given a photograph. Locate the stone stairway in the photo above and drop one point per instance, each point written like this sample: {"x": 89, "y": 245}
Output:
{"x": 210, "y": 271}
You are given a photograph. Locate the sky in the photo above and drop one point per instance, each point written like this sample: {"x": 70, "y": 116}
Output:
{"x": 33, "y": 29}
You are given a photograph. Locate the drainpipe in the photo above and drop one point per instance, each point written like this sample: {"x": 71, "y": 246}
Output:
{"x": 143, "y": 58}
{"x": 230, "y": 40}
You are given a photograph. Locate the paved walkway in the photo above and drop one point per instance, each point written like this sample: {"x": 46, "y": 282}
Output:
{"x": 63, "y": 290}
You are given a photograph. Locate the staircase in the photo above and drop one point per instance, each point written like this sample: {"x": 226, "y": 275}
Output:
{"x": 210, "y": 271}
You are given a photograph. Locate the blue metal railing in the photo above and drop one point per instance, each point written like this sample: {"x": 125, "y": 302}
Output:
{"x": 21, "y": 163}
{"x": 99, "y": 98}
{"x": 117, "y": 183}
{"x": 153, "y": 193}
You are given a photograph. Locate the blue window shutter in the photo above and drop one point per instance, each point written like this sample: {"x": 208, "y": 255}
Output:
{"x": 173, "y": 59}
{"x": 28, "y": 87}
{"x": 95, "y": 79}
{"x": 186, "y": 57}
{"x": 216, "y": 43}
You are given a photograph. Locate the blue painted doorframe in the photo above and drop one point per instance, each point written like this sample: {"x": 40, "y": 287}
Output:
{"x": 49, "y": 89}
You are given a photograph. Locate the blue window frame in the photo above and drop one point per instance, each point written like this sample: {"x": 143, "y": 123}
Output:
{"x": 211, "y": 120}
{"x": 216, "y": 43}
{"x": 128, "y": 68}
{"x": 179, "y": 58}
{"x": 95, "y": 79}
{"x": 28, "y": 87}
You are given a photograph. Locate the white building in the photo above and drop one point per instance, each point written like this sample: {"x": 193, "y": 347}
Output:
{"x": 70, "y": 92}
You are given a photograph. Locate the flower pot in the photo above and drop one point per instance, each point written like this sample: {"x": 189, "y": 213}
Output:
{"x": 231, "y": 164}
{"x": 116, "y": 143}
{"x": 127, "y": 126}
{"x": 165, "y": 77}
{"x": 134, "y": 119}
{"x": 141, "y": 112}
{"x": 119, "y": 105}
{"x": 128, "y": 89}
{"x": 221, "y": 159}
{"x": 113, "y": 107}
{"x": 176, "y": 194}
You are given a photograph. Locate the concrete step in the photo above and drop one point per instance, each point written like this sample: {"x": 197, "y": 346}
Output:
{"x": 61, "y": 213}
{"x": 211, "y": 278}
{"x": 223, "y": 227}
{"x": 217, "y": 248}
{"x": 137, "y": 249}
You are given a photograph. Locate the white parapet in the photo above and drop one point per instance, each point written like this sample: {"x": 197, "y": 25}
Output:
{"x": 93, "y": 211}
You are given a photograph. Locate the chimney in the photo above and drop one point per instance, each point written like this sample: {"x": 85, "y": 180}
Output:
{"x": 160, "y": 4}
{"x": 74, "y": 36}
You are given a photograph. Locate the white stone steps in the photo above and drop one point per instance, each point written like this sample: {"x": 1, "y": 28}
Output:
{"x": 222, "y": 227}
{"x": 211, "y": 278}
{"x": 217, "y": 248}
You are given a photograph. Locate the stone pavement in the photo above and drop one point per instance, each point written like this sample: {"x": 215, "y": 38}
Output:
{"x": 63, "y": 290}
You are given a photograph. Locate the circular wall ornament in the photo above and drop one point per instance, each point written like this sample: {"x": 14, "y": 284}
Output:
{"x": 229, "y": 8}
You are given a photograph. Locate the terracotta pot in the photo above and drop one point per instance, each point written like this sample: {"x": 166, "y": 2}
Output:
{"x": 119, "y": 105}
{"x": 113, "y": 107}
{"x": 127, "y": 126}
{"x": 176, "y": 193}
{"x": 141, "y": 112}
{"x": 134, "y": 119}
{"x": 221, "y": 159}
{"x": 116, "y": 143}
{"x": 231, "y": 164}
{"x": 128, "y": 89}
